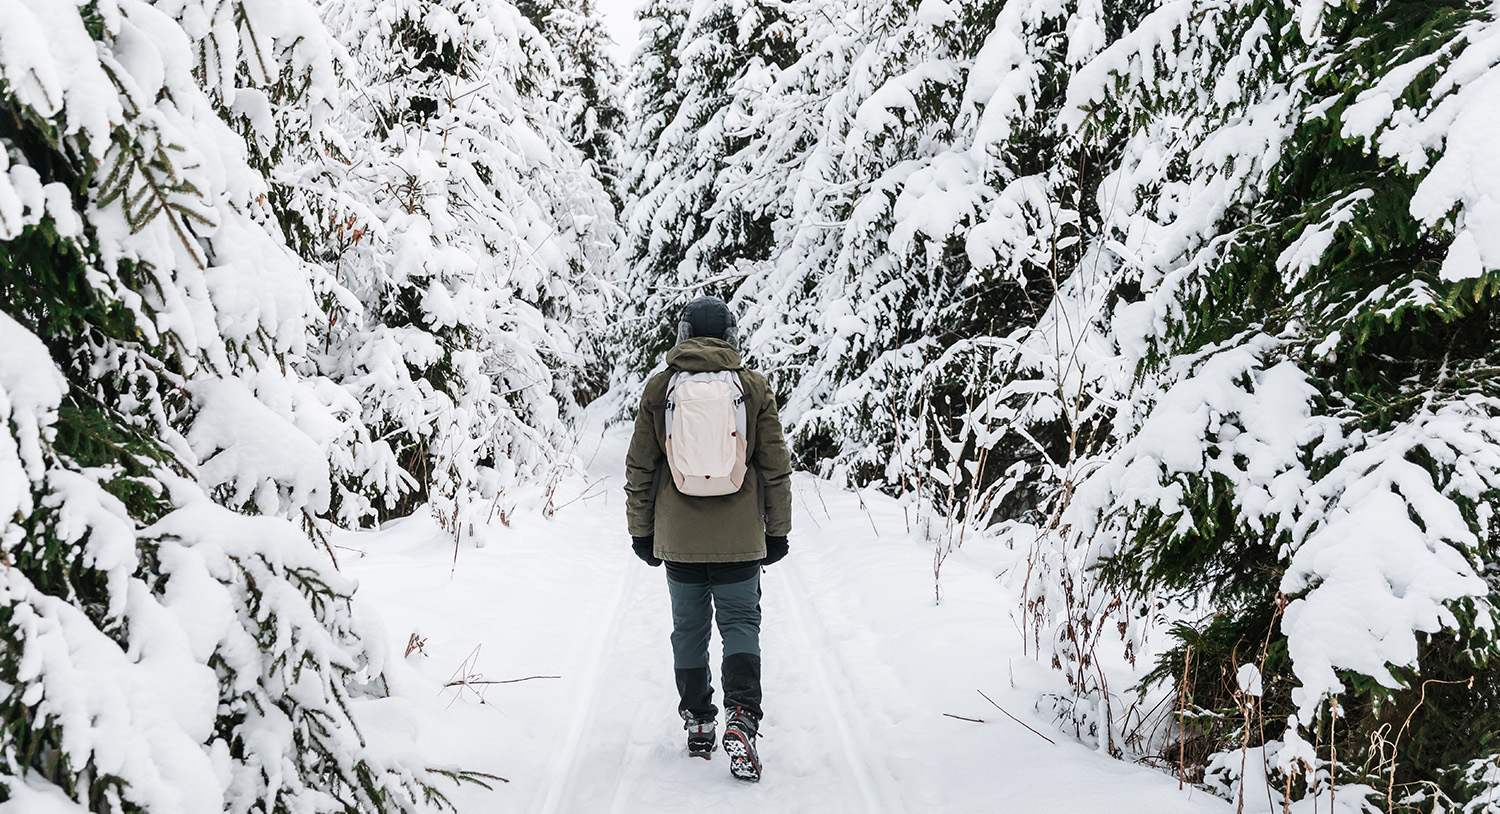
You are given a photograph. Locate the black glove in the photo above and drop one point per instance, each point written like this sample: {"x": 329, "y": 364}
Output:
{"x": 775, "y": 548}
{"x": 643, "y": 548}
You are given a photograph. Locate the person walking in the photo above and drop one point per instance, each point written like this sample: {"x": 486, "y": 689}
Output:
{"x": 708, "y": 492}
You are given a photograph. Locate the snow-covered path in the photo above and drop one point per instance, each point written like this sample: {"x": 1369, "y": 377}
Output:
{"x": 860, "y": 666}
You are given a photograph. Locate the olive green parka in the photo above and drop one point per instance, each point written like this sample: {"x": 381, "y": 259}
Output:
{"x": 727, "y": 528}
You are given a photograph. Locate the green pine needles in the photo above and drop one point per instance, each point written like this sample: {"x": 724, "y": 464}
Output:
{"x": 163, "y": 653}
{"x": 1348, "y": 316}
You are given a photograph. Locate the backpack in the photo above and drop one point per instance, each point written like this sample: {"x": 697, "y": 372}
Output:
{"x": 706, "y": 444}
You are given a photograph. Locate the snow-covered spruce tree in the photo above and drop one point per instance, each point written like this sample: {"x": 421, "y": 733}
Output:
{"x": 695, "y": 62}
{"x": 1311, "y": 457}
{"x": 936, "y": 213}
{"x": 653, "y": 95}
{"x": 1032, "y": 354}
{"x": 590, "y": 89}
{"x": 479, "y": 240}
{"x": 939, "y": 303}
{"x": 879, "y": 282}
{"x": 162, "y": 652}
{"x": 652, "y": 100}
{"x": 270, "y": 69}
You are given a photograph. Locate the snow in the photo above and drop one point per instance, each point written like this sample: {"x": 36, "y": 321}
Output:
{"x": 1307, "y": 251}
{"x": 259, "y": 456}
{"x": 31, "y": 389}
{"x": 1465, "y": 178}
{"x": 35, "y": 796}
{"x": 1226, "y": 769}
{"x": 49, "y": 62}
{"x": 1383, "y": 558}
{"x": 141, "y": 716}
{"x": 935, "y": 13}
{"x": 486, "y": 217}
{"x": 1210, "y": 423}
{"x": 1455, "y": 123}
{"x": 860, "y": 668}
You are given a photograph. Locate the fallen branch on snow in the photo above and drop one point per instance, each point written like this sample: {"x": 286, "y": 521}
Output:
{"x": 1014, "y": 718}
{"x": 467, "y": 681}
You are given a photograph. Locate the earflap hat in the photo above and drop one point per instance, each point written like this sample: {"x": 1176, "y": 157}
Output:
{"x": 708, "y": 317}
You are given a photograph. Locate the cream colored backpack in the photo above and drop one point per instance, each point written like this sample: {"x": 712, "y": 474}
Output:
{"x": 706, "y": 444}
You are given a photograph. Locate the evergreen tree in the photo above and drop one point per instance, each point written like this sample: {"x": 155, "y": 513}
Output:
{"x": 163, "y": 653}
{"x": 881, "y": 315}
{"x": 683, "y": 237}
{"x": 1308, "y": 461}
{"x": 271, "y": 71}
{"x": 479, "y": 240}
{"x": 589, "y": 85}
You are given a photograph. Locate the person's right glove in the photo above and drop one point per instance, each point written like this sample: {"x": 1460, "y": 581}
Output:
{"x": 644, "y": 549}
{"x": 776, "y": 548}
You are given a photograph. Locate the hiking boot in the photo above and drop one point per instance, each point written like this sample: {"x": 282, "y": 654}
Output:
{"x": 739, "y": 744}
{"x": 702, "y": 739}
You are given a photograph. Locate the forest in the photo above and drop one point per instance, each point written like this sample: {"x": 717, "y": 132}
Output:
{"x": 1191, "y": 303}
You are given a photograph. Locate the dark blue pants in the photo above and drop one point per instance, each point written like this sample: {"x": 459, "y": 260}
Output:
{"x": 700, "y": 598}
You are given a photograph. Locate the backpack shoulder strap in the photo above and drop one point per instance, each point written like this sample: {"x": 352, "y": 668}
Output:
{"x": 741, "y": 420}
{"x": 671, "y": 401}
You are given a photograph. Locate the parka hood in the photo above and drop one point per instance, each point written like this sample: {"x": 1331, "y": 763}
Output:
{"x": 704, "y": 354}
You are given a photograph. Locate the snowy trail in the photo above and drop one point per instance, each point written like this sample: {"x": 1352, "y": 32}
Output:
{"x": 835, "y": 694}
{"x": 566, "y": 764}
{"x": 859, "y": 668}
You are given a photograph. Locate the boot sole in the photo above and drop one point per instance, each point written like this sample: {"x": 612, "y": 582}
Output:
{"x": 742, "y": 761}
{"x": 705, "y": 753}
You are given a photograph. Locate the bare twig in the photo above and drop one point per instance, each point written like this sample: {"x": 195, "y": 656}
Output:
{"x": 588, "y": 492}
{"x": 469, "y": 682}
{"x": 415, "y": 644}
{"x": 819, "y": 492}
{"x": 1491, "y": 782}
{"x": 1014, "y": 718}
{"x": 1333, "y": 755}
{"x": 1187, "y": 661}
{"x": 962, "y": 718}
{"x": 310, "y": 523}
{"x": 1265, "y": 648}
{"x": 806, "y": 507}
{"x": 1390, "y": 790}
{"x": 458, "y": 532}
{"x": 866, "y": 509}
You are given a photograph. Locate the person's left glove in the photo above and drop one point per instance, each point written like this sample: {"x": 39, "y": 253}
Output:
{"x": 776, "y": 548}
{"x": 644, "y": 549}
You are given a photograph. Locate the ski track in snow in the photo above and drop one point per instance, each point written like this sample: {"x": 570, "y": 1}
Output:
{"x": 859, "y": 667}
{"x": 566, "y": 762}
{"x": 851, "y": 731}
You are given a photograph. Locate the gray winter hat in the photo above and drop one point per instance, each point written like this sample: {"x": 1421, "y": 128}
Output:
{"x": 707, "y": 316}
